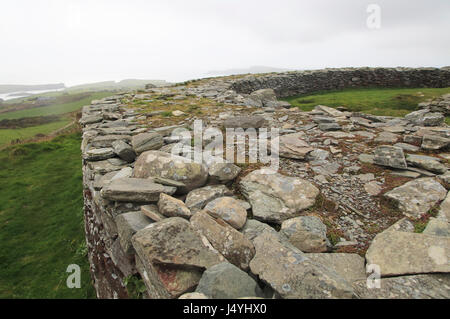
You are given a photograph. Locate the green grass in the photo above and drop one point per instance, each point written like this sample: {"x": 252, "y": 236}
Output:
{"x": 8, "y": 135}
{"x": 41, "y": 220}
{"x": 376, "y": 101}
{"x": 55, "y": 109}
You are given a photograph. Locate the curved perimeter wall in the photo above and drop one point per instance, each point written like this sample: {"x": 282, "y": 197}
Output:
{"x": 304, "y": 82}
{"x": 104, "y": 221}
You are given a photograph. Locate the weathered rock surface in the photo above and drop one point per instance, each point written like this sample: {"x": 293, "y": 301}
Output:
{"x": 444, "y": 212}
{"x": 165, "y": 281}
{"x": 245, "y": 122}
{"x": 402, "y": 253}
{"x": 226, "y": 281}
{"x": 435, "y": 286}
{"x": 98, "y": 154}
{"x": 146, "y": 142}
{"x": 329, "y": 127}
{"x": 416, "y": 197}
{"x": 434, "y": 142}
{"x": 228, "y": 209}
{"x": 173, "y": 256}
{"x": 387, "y": 137}
{"x": 233, "y": 245}
{"x": 437, "y": 227}
{"x": 349, "y": 190}
{"x": 198, "y": 198}
{"x": 254, "y": 228}
{"x": 425, "y": 118}
{"x": 292, "y": 275}
{"x": 193, "y": 295}
{"x": 293, "y": 146}
{"x": 262, "y": 98}
{"x": 174, "y": 241}
{"x": 135, "y": 190}
{"x": 127, "y": 225}
{"x": 428, "y": 163}
{"x": 165, "y": 165}
{"x": 223, "y": 172}
{"x": 274, "y": 197}
{"x": 373, "y": 188}
{"x": 124, "y": 151}
{"x": 328, "y": 110}
{"x": 152, "y": 212}
{"x": 306, "y": 233}
{"x": 390, "y": 156}
{"x": 172, "y": 207}
{"x": 402, "y": 225}
{"x": 348, "y": 266}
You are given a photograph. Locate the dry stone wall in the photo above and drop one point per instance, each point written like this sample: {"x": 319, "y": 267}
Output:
{"x": 303, "y": 82}
{"x": 219, "y": 230}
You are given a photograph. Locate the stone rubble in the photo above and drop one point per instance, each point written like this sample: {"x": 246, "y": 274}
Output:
{"x": 351, "y": 189}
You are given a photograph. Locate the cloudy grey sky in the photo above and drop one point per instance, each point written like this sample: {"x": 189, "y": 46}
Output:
{"x": 79, "y": 41}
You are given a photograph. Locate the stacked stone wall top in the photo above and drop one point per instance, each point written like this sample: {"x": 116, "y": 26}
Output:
{"x": 350, "y": 189}
{"x": 304, "y": 82}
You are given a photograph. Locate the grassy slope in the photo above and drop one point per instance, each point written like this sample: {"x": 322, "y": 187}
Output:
{"x": 393, "y": 102}
{"x": 41, "y": 223}
{"x": 56, "y": 109}
{"x": 8, "y": 135}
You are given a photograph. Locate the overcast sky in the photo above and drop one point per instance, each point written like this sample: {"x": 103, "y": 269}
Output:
{"x": 80, "y": 41}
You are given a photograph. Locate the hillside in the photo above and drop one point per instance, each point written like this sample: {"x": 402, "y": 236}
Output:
{"x": 41, "y": 220}
{"x": 129, "y": 84}
{"x": 10, "y": 88}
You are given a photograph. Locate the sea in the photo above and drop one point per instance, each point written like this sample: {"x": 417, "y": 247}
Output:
{"x": 20, "y": 94}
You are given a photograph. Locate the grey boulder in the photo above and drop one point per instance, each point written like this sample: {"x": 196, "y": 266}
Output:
{"x": 135, "y": 190}
{"x": 226, "y": 281}
{"x": 158, "y": 164}
{"x": 275, "y": 197}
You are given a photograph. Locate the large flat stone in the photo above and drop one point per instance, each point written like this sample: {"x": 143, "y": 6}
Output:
{"x": 124, "y": 151}
{"x": 435, "y": 286}
{"x": 428, "y": 163}
{"x": 434, "y": 142}
{"x": 293, "y": 146}
{"x": 228, "y": 209}
{"x": 275, "y": 197}
{"x": 171, "y": 256}
{"x": 390, "y": 156}
{"x": 245, "y": 122}
{"x": 146, "y": 142}
{"x": 226, "y": 281}
{"x": 403, "y": 253}
{"x": 98, "y": 154}
{"x": 127, "y": 225}
{"x": 135, "y": 190}
{"x": 173, "y": 241}
{"x": 168, "y": 166}
{"x": 328, "y": 110}
{"x": 416, "y": 197}
{"x": 348, "y": 266}
{"x": 233, "y": 245}
{"x": 166, "y": 281}
{"x": 292, "y": 274}
{"x": 198, "y": 198}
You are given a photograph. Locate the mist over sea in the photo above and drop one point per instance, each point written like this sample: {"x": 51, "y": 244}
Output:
{"x": 19, "y": 94}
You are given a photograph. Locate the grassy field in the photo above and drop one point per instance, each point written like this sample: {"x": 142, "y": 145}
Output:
{"x": 58, "y": 109}
{"x": 8, "y": 135}
{"x": 393, "y": 102}
{"x": 41, "y": 220}
{"x": 55, "y": 109}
